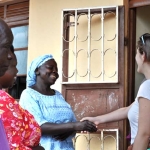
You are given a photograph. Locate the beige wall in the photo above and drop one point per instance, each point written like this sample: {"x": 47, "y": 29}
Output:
{"x": 45, "y": 25}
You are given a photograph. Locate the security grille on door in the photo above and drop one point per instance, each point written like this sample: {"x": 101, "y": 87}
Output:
{"x": 105, "y": 139}
{"x": 90, "y": 45}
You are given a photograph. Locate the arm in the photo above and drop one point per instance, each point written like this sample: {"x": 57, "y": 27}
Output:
{"x": 116, "y": 115}
{"x": 13, "y": 131}
{"x": 142, "y": 138}
{"x": 62, "y": 137}
{"x": 28, "y": 103}
{"x": 55, "y": 129}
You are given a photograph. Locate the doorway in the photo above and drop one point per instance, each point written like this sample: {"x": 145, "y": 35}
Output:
{"x": 138, "y": 24}
{"x": 142, "y": 26}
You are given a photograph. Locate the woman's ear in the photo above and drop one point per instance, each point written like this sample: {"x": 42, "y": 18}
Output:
{"x": 37, "y": 71}
{"x": 143, "y": 57}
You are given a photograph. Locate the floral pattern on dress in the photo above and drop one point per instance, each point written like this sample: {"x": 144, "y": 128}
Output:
{"x": 22, "y": 130}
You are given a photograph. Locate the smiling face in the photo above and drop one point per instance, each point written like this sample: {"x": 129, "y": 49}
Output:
{"x": 8, "y": 79}
{"x": 6, "y": 39}
{"x": 47, "y": 73}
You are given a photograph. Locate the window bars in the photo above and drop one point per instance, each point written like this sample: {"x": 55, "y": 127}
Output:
{"x": 90, "y": 45}
{"x": 104, "y": 138}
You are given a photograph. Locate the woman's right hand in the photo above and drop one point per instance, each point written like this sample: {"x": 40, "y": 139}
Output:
{"x": 85, "y": 126}
{"x": 91, "y": 119}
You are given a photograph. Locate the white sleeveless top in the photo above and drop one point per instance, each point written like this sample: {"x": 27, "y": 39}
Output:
{"x": 133, "y": 113}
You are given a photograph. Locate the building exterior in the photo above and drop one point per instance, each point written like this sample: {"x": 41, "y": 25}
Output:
{"x": 44, "y": 22}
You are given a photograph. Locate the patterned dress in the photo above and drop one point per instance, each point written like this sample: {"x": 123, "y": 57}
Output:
{"x": 22, "y": 131}
{"x": 53, "y": 109}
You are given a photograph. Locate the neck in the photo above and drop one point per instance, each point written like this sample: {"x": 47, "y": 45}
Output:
{"x": 0, "y": 87}
{"x": 43, "y": 89}
{"x": 146, "y": 71}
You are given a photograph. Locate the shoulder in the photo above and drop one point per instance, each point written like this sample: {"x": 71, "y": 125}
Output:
{"x": 59, "y": 95}
{"x": 27, "y": 98}
{"x": 27, "y": 91}
{"x": 144, "y": 90}
{"x": 145, "y": 85}
{"x": 57, "y": 92}
{"x": 26, "y": 95}
{"x": 2, "y": 93}
{"x": 5, "y": 95}
{"x": 7, "y": 100}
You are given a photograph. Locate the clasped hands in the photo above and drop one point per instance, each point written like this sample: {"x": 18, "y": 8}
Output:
{"x": 80, "y": 126}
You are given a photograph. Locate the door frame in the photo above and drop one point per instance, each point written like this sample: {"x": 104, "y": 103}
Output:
{"x": 99, "y": 89}
{"x": 130, "y": 35}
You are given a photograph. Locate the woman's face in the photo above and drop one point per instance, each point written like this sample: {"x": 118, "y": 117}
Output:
{"x": 139, "y": 61}
{"x": 8, "y": 79}
{"x": 48, "y": 72}
{"x": 6, "y": 39}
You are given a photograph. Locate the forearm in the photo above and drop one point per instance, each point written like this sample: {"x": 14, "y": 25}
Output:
{"x": 63, "y": 136}
{"x": 54, "y": 129}
{"x": 116, "y": 115}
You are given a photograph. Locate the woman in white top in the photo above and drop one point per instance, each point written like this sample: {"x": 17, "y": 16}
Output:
{"x": 138, "y": 112}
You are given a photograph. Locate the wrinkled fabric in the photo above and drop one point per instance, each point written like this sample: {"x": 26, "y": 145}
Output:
{"x": 49, "y": 108}
{"x": 22, "y": 131}
{"x": 31, "y": 76}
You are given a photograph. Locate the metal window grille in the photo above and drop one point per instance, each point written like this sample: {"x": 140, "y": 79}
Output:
{"x": 90, "y": 45}
{"x": 102, "y": 140}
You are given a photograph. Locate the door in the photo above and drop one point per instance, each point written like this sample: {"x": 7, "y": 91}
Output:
{"x": 136, "y": 16}
{"x": 93, "y": 62}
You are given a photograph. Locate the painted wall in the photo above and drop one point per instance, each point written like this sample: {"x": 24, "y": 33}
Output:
{"x": 45, "y": 25}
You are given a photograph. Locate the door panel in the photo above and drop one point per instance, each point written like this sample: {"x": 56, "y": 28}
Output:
{"x": 91, "y": 99}
{"x": 93, "y": 102}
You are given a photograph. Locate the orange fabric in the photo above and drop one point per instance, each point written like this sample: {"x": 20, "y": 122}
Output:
{"x": 21, "y": 129}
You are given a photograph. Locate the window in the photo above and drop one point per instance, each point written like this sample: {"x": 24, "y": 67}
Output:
{"x": 89, "y": 40}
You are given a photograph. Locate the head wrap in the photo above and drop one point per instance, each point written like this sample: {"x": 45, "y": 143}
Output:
{"x": 37, "y": 62}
